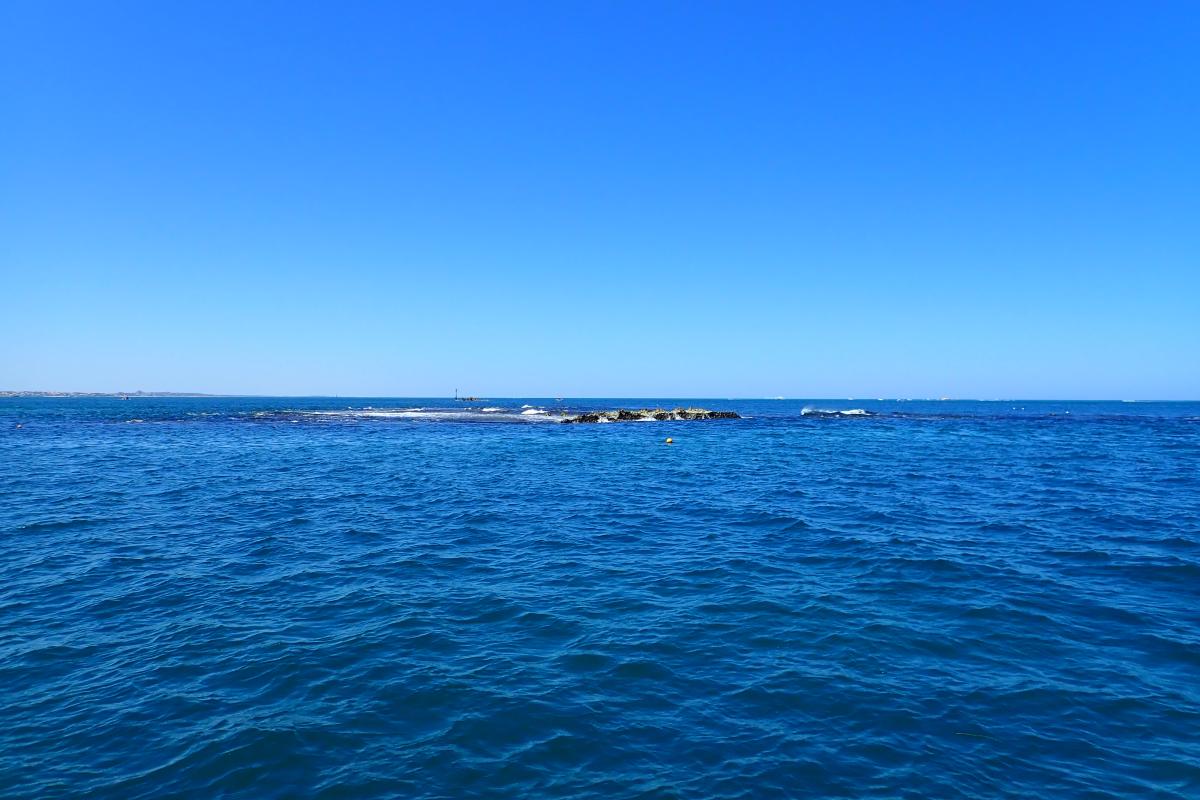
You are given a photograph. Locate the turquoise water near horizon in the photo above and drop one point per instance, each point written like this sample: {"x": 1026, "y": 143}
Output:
{"x": 411, "y": 597}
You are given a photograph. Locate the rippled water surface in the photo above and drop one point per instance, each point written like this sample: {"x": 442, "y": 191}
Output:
{"x": 255, "y": 598}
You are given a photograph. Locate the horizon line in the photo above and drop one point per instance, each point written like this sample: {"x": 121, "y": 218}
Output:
{"x": 32, "y": 393}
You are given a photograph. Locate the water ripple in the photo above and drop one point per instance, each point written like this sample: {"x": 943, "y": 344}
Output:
{"x": 242, "y": 598}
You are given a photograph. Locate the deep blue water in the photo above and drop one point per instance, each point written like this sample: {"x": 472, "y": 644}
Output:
{"x": 239, "y": 598}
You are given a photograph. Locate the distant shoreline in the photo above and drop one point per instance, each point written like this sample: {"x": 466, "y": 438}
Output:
{"x": 11, "y": 393}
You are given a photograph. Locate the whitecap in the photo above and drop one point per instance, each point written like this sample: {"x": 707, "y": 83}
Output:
{"x": 834, "y": 412}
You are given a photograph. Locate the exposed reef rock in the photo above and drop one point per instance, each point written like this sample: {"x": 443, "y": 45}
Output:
{"x": 648, "y": 414}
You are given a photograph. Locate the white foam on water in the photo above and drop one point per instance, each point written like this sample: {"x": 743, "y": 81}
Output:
{"x": 402, "y": 413}
{"x": 834, "y": 412}
{"x": 491, "y": 413}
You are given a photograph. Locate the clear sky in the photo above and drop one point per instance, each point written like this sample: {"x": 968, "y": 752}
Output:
{"x": 602, "y": 199}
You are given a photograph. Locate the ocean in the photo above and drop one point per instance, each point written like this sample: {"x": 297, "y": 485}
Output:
{"x": 416, "y": 598}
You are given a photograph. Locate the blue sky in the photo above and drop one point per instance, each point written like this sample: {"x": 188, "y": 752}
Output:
{"x": 590, "y": 199}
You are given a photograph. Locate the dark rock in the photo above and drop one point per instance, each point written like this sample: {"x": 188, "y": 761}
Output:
{"x": 662, "y": 415}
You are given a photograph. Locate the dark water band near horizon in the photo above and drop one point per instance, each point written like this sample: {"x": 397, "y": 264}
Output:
{"x": 365, "y": 598}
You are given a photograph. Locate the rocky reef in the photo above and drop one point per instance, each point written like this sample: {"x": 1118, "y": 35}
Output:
{"x": 648, "y": 414}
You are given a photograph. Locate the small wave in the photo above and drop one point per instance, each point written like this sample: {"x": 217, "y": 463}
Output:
{"x": 809, "y": 411}
{"x": 386, "y": 414}
{"x": 528, "y": 411}
{"x": 365, "y": 414}
{"x": 369, "y": 411}
{"x": 390, "y": 413}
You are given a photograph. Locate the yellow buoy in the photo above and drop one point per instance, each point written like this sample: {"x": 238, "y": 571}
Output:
{"x": 670, "y": 440}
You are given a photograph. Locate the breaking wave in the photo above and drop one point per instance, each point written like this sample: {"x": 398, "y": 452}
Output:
{"x": 809, "y": 411}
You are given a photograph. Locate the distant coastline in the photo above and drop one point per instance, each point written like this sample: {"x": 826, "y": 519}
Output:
{"x": 31, "y": 393}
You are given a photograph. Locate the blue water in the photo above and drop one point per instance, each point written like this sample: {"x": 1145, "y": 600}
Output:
{"x": 241, "y": 598}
